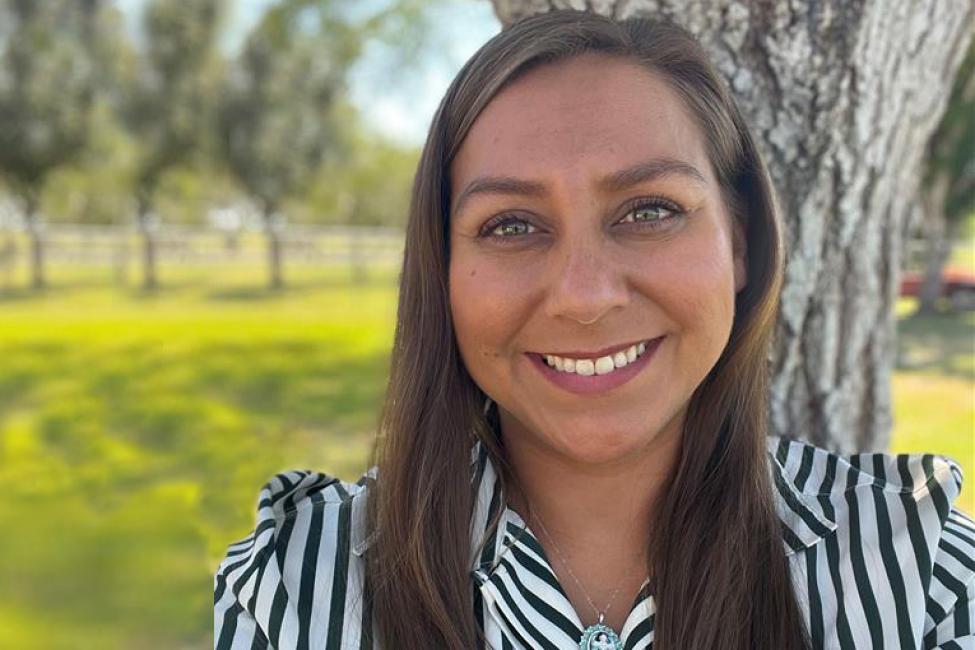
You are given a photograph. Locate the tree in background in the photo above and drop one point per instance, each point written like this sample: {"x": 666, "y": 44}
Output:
{"x": 275, "y": 119}
{"x": 95, "y": 187}
{"x": 368, "y": 186}
{"x": 46, "y": 94}
{"x": 167, "y": 102}
{"x": 842, "y": 98}
{"x": 283, "y": 114}
{"x": 948, "y": 191}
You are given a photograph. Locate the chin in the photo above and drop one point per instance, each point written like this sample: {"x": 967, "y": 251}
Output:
{"x": 601, "y": 444}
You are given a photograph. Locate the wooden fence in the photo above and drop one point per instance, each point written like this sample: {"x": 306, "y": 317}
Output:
{"x": 121, "y": 247}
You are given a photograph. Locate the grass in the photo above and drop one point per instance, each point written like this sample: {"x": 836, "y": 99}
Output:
{"x": 934, "y": 390}
{"x": 136, "y": 430}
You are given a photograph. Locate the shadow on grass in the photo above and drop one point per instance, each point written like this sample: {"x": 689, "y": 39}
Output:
{"x": 937, "y": 343}
{"x": 151, "y": 455}
{"x": 26, "y": 294}
{"x": 250, "y": 294}
{"x": 294, "y": 288}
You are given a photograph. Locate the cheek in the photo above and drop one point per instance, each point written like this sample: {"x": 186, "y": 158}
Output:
{"x": 484, "y": 309}
{"x": 695, "y": 284}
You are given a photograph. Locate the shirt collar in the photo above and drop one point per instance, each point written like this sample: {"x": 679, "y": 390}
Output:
{"x": 804, "y": 520}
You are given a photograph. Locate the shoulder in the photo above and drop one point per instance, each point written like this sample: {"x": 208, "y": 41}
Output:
{"x": 301, "y": 560}
{"x": 894, "y": 520}
{"x": 817, "y": 471}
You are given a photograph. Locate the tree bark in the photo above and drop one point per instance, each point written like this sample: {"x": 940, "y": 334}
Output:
{"x": 273, "y": 234}
{"x": 842, "y": 97}
{"x": 147, "y": 228}
{"x": 35, "y": 233}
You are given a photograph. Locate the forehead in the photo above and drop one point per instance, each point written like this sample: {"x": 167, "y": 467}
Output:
{"x": 583, "y": 117}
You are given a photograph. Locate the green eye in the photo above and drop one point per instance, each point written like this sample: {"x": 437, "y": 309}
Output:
{"x": 513, "y": 228}
{"x": 655, "y": 213}
{"x": 507, "y": 227}
{"x": 647, "y": 213}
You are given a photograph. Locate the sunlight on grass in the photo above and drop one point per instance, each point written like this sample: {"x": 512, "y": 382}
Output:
{"x": 934, "y": 390}
{"x": 136, "y": 431}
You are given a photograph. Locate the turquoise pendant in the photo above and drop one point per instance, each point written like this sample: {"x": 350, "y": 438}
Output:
{"x": 599, "y": 637}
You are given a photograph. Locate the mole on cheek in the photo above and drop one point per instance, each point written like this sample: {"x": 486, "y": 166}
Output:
{"x": 473, "y": 272}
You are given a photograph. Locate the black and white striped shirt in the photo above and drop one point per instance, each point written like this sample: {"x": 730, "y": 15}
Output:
{"x": 879, "y": 559}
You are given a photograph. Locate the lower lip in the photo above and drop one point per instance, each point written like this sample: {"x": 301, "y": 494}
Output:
{"x": 575, "y": 383}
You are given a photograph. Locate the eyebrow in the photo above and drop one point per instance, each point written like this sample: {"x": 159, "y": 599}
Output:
{"x": 641, "y": 172}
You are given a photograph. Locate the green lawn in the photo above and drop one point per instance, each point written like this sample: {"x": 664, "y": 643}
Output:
{"x": 934, "y": 390}
{"x": 136, "y": 430}
{"x": 135, "y": 433}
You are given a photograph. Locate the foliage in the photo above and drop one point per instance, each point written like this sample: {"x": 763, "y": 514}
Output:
{"x": 165, "y": 99}
{"x": 274, "y": 116}
{"x": 151, "y": 131}
{"x": 951, "y": 150}
{"x": 46, "y": 91}
{"x": 97, "y": 187}
{"x": 370, "y": 186}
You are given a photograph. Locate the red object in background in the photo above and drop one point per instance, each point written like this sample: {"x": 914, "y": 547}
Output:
{"x": 957, "y": 284}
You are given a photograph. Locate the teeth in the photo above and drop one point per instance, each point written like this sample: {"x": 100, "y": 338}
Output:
{"x": 600, "y": 366}
{"x": 604, "y": 365}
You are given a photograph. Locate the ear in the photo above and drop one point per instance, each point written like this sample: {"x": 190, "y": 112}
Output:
{"x": 739, "y": 251}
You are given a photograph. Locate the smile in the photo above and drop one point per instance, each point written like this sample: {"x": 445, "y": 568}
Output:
{"x": 599, "y": 366}
{"x": 603, "y": 371}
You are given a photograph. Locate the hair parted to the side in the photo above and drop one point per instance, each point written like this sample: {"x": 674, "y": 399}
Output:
{"x": 719, "y": 572}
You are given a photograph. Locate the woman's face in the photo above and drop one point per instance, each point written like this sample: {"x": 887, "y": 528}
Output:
{"x": 586, "y": 219}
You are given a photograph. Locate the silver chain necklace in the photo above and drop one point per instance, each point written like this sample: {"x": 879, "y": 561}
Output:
{"x": 597, "y": 636}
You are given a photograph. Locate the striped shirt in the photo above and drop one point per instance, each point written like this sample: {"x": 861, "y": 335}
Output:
{"x": 878, "y": 555}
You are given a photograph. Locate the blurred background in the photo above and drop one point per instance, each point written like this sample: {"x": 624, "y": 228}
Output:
{"x": 201, "y": 215}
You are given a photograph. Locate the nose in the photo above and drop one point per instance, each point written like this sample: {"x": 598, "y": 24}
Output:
{"x": 585, "y": 283}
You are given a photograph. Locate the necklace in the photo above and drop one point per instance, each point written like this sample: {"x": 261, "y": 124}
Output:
{"x": 597, "y": 636}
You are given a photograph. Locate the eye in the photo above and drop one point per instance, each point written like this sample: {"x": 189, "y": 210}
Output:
{"x": 507, "y": 227}
{"x": 651, "y": 213}
{"x": 655, "y": 212}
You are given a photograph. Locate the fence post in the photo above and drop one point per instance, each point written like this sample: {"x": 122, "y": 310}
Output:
{"x": 121, "y": 255}
{"x": 358, "y": 261}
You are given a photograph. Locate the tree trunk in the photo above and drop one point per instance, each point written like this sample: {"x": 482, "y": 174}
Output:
{"x": 147, "y": 229}
{"x": 357, "y": 257}
{"x": 8, "y": 260}
{"x": 939, "y": 238}
{"x": 272, "y": 231}
{"x": 38, "y": 280}
{"x": 842, "y": 97}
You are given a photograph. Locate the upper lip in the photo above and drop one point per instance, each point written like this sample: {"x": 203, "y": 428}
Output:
{"x": 605, "y": 352}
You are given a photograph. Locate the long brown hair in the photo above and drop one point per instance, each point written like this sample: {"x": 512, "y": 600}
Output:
{"x": 720, "y": 576}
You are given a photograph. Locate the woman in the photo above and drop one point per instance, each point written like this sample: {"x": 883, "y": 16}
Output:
{"x": 573, "y": 448}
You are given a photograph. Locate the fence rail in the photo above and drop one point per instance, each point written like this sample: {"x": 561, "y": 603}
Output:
{"x": 77, "y": 244}
{"x": 120, "y": 249}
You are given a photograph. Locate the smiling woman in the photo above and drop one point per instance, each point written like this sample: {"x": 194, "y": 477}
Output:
{"x": 573, "y": 450}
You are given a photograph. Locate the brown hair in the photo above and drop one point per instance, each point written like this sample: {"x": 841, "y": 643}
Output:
{"x": 720, "y": 576}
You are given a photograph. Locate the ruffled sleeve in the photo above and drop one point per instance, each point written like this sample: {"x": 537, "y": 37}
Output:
{"x": 297, "y": 576}
{"x": 950, "y": 617}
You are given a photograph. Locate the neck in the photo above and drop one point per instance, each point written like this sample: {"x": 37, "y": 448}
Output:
{"x": 579, "y": 501}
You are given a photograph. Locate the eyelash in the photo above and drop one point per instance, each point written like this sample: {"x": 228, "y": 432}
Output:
{"x": 487, "y": 231}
